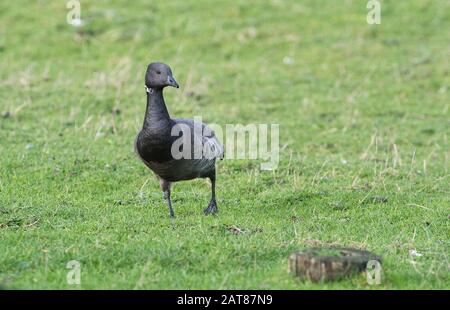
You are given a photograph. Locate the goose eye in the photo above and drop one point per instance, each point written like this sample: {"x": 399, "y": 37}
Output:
{"x": 158, "y": 72}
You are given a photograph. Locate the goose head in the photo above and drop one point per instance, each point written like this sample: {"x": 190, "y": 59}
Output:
{"x": 158, "y": 76}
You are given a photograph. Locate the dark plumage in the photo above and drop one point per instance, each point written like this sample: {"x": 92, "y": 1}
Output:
{"x": 154, "y": 142}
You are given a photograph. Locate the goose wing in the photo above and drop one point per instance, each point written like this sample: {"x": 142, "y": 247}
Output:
{"x": 205, "y": 139}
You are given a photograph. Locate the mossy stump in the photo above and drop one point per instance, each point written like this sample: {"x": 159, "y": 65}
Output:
{"x": 328, "y": 264}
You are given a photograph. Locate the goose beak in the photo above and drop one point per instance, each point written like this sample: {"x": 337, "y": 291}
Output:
{"x": 171, "y": 82}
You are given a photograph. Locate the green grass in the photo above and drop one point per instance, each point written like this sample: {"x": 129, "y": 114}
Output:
{"x": 364, "y": 127}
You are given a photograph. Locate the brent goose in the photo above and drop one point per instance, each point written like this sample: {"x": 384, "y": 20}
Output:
{"x": 155, "y": 141}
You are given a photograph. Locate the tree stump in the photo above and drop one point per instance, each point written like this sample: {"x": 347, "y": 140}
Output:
{"x": 328, "y": 264}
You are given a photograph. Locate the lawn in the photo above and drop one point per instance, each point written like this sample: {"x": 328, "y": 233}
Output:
{"x": 364, "y": 120}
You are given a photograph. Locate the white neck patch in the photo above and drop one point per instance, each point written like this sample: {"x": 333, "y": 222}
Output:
{"x": 148, "y": 90}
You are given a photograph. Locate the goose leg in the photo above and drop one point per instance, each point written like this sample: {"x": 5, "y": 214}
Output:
{"x": 165, "y": 187}
{"x": 212, "y": 207}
